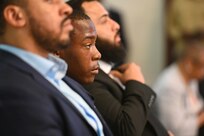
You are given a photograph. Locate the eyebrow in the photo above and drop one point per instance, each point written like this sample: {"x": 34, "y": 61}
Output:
{"x": 104, "y": 15}
{"x": 89, "y": 37}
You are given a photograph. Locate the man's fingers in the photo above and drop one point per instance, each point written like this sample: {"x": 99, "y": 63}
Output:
{"x": 115, "y": 73}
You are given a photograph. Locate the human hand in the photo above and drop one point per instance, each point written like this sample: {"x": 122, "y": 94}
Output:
{"x": 127, "y": 72}
{"x": 170, "y": 133}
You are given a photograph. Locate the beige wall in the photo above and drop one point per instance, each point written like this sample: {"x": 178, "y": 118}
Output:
{"x": 144, "y": 28}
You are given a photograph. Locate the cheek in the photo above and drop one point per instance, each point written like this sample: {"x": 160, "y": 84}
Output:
{"x": 79, "y": 59}
{"x": 53, "y": 26}
{"x": 83, "y": 62}
{"x": 47, "y": 20}
{"x": 105, "y": 32}
{"x": 86, "y": 63}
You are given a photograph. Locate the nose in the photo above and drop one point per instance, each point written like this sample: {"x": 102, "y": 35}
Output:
{"x": 97, "y": 54}
{"x": 66, "y": 10}
{"x": 115, "y": 25}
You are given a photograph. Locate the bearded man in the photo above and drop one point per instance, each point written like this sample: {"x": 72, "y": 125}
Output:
{"x": 120, "y": 94}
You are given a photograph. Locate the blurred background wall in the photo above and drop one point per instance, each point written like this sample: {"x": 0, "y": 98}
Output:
{"x": 143, "y": 23}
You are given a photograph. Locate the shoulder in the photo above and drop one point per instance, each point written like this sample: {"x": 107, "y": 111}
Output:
{"x": 170, "y": 78}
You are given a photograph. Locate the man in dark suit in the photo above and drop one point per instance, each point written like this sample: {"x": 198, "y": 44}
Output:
{"x": 82, "y": 55}
{"x": 120, "y": 95}
{"x": 35, "y": 96}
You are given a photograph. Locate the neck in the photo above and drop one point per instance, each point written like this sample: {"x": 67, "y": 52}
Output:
{"x": 24, "y": 42}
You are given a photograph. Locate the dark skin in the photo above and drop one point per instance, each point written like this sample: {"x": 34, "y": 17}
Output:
{"x": 82, "y": 56}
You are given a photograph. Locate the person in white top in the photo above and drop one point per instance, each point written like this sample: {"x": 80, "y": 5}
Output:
{"x": 179, "y": 105}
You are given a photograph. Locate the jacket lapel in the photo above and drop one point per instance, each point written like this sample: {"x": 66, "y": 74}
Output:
{"x": 88, "y": 98}
{"x": 102, "y": 75}
{"x": 19, "y": 64}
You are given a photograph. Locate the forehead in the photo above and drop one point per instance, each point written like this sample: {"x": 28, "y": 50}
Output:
{"x": 94, "y": 9}
{"x": 84, "y": 28}
{"x": 83, "y": 24}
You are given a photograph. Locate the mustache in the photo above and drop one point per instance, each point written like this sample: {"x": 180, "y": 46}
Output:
{"x": 117, "y": 33}
{"x": 64, "y": 20}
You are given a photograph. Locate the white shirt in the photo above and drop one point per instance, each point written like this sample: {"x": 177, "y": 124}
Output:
{"x": 174, "y": 104}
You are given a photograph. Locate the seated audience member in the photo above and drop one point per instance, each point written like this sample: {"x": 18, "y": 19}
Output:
{"x": 116, "y": 15}
{"x": 122, "y": 97}
{"x": 82, "y": 56}
{"x": 179, "y": 105}
{"x": 36, "y": 98}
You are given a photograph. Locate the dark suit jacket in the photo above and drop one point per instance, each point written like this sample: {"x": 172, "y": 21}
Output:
{"x": 31, "y": 106}
{"x": 127, "y": 112}
{"x": 201, "y": 91}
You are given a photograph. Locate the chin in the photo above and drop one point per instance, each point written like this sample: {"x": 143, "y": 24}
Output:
{"x": 117, "y": 44}
{"x": 88, "y": 81}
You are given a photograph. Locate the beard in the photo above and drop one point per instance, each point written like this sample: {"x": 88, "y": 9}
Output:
{"x": 110, "y": 52}
{"x": 45, "y": 38}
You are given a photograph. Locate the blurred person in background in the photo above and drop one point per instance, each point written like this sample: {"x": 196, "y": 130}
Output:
{"x": 116, "y": 15}
{"x": 179, "y": 105}
{"x": 183, "y": 17}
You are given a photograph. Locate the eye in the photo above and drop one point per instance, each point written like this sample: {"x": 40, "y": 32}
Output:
{"x": 88, "y": 43}
{"x": 88, "y": 46}
{"x": 104, "y": 20}
{"x": 49, "y": 1}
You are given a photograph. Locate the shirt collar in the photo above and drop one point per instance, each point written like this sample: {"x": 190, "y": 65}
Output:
{"x": 106, "y": 67}
{"x": 52, "y": 66}
{"x": 59, "y": 69}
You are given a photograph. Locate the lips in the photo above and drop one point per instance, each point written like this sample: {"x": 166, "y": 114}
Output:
{"x": 68, "y": 24}
{"x": 117, "y": 38}
{"x": 95, "y": 70}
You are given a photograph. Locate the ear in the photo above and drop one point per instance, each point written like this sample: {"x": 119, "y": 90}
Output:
{"x": 14, "y": 16}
